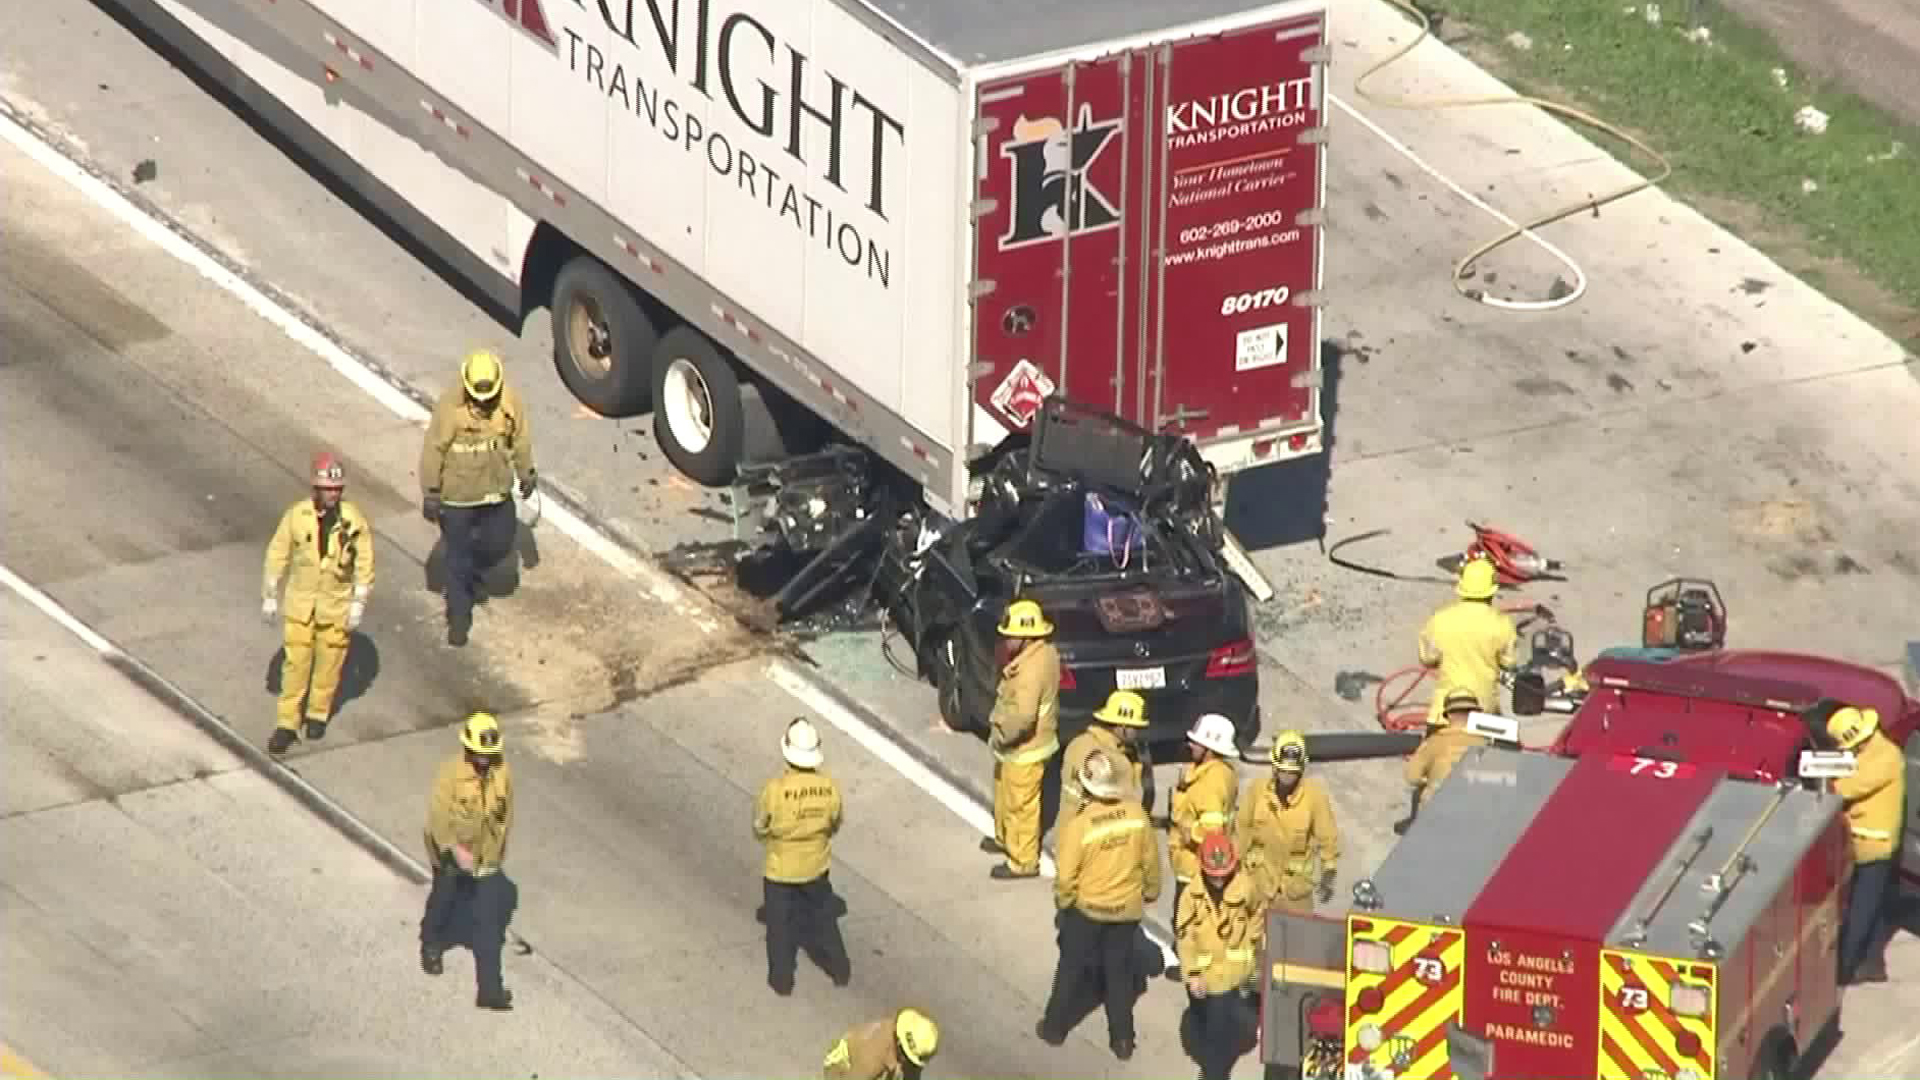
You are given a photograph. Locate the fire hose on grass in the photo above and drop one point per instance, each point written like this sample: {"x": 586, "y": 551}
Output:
{"x": 1516, "y": 230}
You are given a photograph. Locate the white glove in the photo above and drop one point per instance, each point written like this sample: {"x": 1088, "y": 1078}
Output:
{"x": 269, "y": 607}
{"x": 355, "y": 612}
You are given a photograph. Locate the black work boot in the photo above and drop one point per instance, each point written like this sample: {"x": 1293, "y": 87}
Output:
{"x": 992, "y": 846}
{"x": 456, "y": 634}
{"x": 501, "y": 1003}
{"x": 1123, "y": 1049}
{"x": 280, "y": 741}
{"x": 430, "y": 960}
{"x": 316, "y": 730}
{"x": 1400, "y": 827}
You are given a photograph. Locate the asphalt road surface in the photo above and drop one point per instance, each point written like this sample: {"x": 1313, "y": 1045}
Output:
{"x": 150, "y": 452}
{"x": 165, "y": 910}
{"x": 1697, "y": 411}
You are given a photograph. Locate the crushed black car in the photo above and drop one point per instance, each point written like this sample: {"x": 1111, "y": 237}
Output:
{"x": 1109, "y": 527}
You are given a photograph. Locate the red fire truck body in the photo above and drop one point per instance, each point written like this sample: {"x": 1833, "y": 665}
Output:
{"x": 1738, "y": 708}
{"x": 1549, "y": 918}
{"x": 1660, "y": 897}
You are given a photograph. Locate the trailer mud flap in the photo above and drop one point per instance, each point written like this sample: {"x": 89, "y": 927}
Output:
{"x": 1656, "y": 1017}
{"x": 1301, "y": 1000}
{"x": 1405, "y": 991}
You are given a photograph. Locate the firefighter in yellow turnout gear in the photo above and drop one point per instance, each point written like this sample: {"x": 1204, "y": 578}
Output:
{"x": 1447, "y": 741}
{"x": 469, "y": 817}
{"x": 323, "y": 550}
{"x": 1215, "y": 930}
{"x": 1024, "y": 735}
{"x": 1109, "y": 871}
{"x": 796, "y": 817}
{"x": 1286, "y": 832}
{"x": 891, "y": 1049}
{"x": 1203, "y": 800}
{"x": 1469, "y": 642}
{"x": 478, "y": 440}
{"x": 1115, "y": 730}
{"x": 1875, "y": 799}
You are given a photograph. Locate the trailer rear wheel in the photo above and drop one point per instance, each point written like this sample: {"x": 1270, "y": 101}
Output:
{"x": 697, "y": 417}
{"x": 603, "y": 341}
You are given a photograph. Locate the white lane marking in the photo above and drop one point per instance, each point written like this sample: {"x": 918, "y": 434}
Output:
{"x": 962, "y": 804}
{"x": 661, "y": 587}
{"x": 105, "y": 647}
{"x": 100, "y": 644}
{"x": 1475, "y": 201}
{"x": 51, "y": 608}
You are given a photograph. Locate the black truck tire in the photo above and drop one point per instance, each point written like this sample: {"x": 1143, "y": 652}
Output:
{"x": 697, "y": 415}
{"x": 603, "y": 340}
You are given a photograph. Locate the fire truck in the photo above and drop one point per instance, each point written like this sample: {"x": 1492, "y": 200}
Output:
{"x": 1657, "y": 896}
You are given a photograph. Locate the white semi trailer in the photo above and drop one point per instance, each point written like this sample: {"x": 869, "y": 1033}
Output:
{"x": 909, "y": 222}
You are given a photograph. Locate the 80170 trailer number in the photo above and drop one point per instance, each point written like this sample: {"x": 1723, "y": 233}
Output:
{"x": 1235, "y": 303}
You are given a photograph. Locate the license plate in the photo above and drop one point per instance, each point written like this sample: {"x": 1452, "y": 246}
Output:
{"x": 1147, "y": 678}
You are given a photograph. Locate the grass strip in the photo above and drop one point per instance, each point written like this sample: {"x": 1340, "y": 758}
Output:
{"x": 1840, "y": 208}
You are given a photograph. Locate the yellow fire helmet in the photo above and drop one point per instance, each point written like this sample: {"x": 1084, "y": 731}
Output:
{"x": 482, "y": 374}
{"x": 917, "y": 1034}
{"x": 1850, "y": 727}
{"x": 1290, "y": 752}
{"x": 1477, "y": 581}
{"x": 1457, "y": 700}
{"x": 1024, "y": 619}
{"x": 1124, "y": 708}
{"x": 481, "y": 734}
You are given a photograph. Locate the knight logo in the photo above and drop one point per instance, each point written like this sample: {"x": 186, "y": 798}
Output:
{"x": 1020, "y": 395}
{"x": 1051, "y": 194}
{"x": 528, "y": 17}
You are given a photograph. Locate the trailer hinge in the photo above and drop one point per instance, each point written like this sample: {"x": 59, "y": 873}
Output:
{"x": 1313, "y": 136}
{"x": 1319, "y": 54}
{"x": 980, "y": 288}
{"x": 980, "y": 208}
{"x": 1181, "y": 414}
{"x": 979, "y": 369}
{"x": 1305, "y": 379}
{"x": 1310, "y": 298}
{"x": 985, "y": 125}
{"x": 1311, "y": 218}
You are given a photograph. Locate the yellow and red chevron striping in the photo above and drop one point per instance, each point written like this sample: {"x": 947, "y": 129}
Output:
{"x": 1640, "y": 1033}
{"x": 1397, "y": 1019}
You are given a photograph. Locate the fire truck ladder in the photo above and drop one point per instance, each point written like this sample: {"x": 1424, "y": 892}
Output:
{"x": 1739, "y": 864}
{"x": 1637, "y": 936}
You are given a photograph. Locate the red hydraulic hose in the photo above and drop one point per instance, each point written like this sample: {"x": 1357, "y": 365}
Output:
{"x": 1394, "y": 714}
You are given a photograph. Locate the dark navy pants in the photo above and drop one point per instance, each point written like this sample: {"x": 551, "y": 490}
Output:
{"x": 471, "y": 911}
{"x": 1866, "y": 907}
{"x": 1096, "y": 962}
{"x": 474, "y": 539}
{"x": 805, "y": 916}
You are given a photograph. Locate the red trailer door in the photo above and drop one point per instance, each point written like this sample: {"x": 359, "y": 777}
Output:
{"x": 1235, "y": 338}
{"x": 1055, "y": 279}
